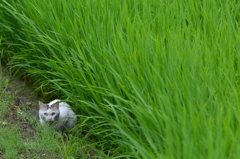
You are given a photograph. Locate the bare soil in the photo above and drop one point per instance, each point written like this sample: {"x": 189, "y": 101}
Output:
{"x": 23, "y": 100}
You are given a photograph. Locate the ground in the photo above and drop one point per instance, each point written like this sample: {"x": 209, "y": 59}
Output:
{"x": 22, "y": 136}
{"x": 23, "y": 99}
{"x": 19, "y": 122}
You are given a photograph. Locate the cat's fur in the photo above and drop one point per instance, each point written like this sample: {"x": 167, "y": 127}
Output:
{"x": 56, "y": 113}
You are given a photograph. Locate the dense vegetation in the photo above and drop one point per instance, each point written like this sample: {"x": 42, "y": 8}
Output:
{"x": 148, "y": 79}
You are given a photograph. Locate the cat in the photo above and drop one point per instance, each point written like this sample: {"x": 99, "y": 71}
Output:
{"x": 57, "y": 113}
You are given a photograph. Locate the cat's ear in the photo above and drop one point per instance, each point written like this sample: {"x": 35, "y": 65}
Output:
{"x": 56, "y": 105}
{"x": 41, "y": 104}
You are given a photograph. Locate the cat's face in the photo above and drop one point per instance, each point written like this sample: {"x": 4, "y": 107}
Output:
{"x": 48, "y": 113}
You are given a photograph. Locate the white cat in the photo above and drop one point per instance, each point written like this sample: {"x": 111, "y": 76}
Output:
{"x": 57, "y": 113}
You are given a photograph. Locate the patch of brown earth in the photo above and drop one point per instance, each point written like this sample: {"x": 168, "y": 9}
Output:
{"x": 24, "y": 102}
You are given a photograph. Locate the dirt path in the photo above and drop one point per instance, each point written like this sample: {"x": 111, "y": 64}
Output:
{"x": 24, "y": 98}
{"x": 23, "y": 93}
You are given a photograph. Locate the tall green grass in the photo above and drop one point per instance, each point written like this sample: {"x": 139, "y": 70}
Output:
{"x": 148, "y": 79}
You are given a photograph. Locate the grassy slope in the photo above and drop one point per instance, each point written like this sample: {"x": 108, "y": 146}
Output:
{"x": 16, "y": 141}
{"x": 149, "y": 79}
{"x": 22, "y": 136}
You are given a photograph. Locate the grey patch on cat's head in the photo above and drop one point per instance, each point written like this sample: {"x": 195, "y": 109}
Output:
{"x": 56, "y": 106}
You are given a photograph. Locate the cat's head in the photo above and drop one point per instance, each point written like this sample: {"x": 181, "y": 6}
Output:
{"x": 48, "y": 113}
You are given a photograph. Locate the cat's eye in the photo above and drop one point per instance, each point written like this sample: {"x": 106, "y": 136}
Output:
{"x": 53, "y": 114}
